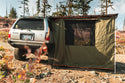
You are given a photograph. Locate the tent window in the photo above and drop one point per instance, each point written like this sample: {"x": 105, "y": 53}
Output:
{"x": 80, "y": 32}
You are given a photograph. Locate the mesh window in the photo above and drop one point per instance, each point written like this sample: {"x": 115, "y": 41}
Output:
{"x": 34, "y": 24}
{"x": 80, "y": 32}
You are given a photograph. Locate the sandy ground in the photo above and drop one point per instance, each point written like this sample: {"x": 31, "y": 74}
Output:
{"x": 46, "y": 73}
{"x": 6, "y": 45}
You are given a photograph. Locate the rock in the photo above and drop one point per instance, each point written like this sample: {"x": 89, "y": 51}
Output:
{"x": 42, "y": 75}
{"x": 123, "y": 79}
{"x": 75, "y": 81}
{"x": 104, "y": 82}
{"x": 1, "y": 56}
{"x": 69, "y": 71}
{"x": 32, "y": 80}
{"x": 92, "y": 72}
{"x": 103, "y": 78}
{"x": 106, "y": 77}
{"x": 44, "y": 57}
{"x": 116, "y": 76}
{"x": 37, "y": 77}
{"x": 120, "y": 79}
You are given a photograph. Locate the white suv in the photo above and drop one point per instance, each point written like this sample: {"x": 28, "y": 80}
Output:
{"x": 30, "y": 31}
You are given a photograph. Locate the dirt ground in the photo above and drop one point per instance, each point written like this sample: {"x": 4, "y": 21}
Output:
{"x": 28, "y": 71}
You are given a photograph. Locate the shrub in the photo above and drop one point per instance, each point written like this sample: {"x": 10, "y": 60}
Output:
{"x": 3, "y": 35}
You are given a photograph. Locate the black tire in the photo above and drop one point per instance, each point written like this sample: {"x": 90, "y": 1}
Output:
{"x": 18, "y": 54}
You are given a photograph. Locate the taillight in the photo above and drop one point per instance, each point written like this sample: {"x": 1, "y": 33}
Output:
{"x": 47, "y": 38}
{"x": 9, "y": 35}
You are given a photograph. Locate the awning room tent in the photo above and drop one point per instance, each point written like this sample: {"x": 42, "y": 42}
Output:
{"x": 84, "y": 41}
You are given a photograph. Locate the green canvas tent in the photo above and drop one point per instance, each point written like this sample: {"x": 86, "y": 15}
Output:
{"x": 84, "y": 41}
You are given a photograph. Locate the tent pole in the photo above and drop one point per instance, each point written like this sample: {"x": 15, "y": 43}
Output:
{"x": 115, "y": 70}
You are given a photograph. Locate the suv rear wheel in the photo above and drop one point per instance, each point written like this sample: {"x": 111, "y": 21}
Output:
{"x": 18, "y": 53}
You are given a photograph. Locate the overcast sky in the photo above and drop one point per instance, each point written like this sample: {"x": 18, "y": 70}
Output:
{"x": 118, "y": 5}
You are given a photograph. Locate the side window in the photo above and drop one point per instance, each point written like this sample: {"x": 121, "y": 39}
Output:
{"x": 80, "y": 32}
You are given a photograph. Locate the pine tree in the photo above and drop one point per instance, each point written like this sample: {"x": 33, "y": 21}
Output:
{"x": 13, "y": 13}
{"x": 73, "y": 7}
{"x": 82, "y": 6}
{"x": 70, "y": 6}
{"x": 46, "y": 8}
{"x": 104, "y": 6}
{"x": 38, "y": 7}
{"x": 25, "y": 7}
{"x": 61, "y": 10}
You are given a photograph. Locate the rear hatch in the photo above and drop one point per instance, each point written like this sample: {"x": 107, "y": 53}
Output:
{"x": 29, "y": 29}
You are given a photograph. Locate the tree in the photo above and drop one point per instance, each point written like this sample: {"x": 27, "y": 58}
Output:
{"x": 46, "y": 7}
{"x": 64, "y": 9}
{"x": 5, "y": 17}
{"x": 70, "y": 6}
{"x": 61, "y": 10}
{"x": 73, "y": 7}
{"x": 82, "y": 6}
{"x": 13, "y": 13}
{"x": 25, "y": 7}
{"x": 38, "y": 7}
{"x": 104, "y": 6}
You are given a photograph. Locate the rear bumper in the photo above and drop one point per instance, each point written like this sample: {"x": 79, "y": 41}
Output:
{"x": 21, "y": 43}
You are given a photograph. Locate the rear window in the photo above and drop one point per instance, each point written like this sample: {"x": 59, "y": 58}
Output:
{"x": 34, "y": 24}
